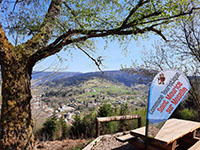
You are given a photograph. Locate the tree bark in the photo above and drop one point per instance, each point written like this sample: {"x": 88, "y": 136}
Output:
{"x": 16, "y": 122}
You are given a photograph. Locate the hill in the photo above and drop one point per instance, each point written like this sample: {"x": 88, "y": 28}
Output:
{"x": 88, "y": 95}
{"x": 114, "y": 76}
{"x": 39, "y": 77}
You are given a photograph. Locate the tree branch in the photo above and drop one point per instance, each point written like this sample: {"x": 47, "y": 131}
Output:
{"x": 97, "y": 62}
{"x": 51, "y": 49}
{"x": 139, "y": 4}
{"x": 5, "y": 45}
{"x": 45, "y": 32}
{"x": 171, "y": 17}
{"x": 0, "y": 4}
{"x": 125, "y": 29}
{"x": 137, "y": 22}
{"x": 74, "y": 15}
{"x": 192, "y": 48}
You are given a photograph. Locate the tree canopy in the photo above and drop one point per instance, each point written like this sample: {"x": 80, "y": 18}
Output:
{"x": 53, "y": 25}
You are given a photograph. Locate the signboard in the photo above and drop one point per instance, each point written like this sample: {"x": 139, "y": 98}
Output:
{"x": 167, "y": 90}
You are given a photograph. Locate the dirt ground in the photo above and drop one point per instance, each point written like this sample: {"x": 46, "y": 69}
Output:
{"x": 107, "y": 142}
{"x": 67, "y": 144}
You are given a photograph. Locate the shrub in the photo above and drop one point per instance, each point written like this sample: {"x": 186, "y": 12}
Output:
{"x": 89, "y": 123}
{"x": 49, "y": 128}
{"x": 186, "y": 114}
{"x": 85, "y": 127}
{"x": 105, "y": 110}
{"x": 55, "y": 129}
{"x": 77, "y": 128}
{"x": 142, "y": 112}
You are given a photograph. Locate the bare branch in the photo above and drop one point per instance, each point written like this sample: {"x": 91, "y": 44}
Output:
{"x": 97, "y": 61}
{"x": 189, "y": 43}
{"x": 0, "y": 4}
{"x": 15, "y": 4}
{"x": 159, "y": 33}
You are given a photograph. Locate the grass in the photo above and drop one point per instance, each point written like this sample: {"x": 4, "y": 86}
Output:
{"x": 91, "y": 93}
{"x": 142, "y": 112}
{"x": 76, "y": 148}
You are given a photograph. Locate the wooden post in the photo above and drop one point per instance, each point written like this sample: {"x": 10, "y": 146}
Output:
{"x": 139, "y": 122}
{"x": 98, "y": 125}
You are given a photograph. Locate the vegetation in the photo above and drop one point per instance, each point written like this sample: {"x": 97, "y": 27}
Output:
{"x": 38, "y": 29}
{"x": 89, "y": 95}
{"x": 54, "y": 129}
{"x": 181, "y": 52}
{"x": 85, "y": 126}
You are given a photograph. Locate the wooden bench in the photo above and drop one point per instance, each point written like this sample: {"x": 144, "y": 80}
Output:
{"x": 196, "y": 146}
{"x": 175, "y": 134}
{"x": 125, "y": 138}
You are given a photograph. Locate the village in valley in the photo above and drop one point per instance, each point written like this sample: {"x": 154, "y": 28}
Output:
{"x": 85, "y": 97}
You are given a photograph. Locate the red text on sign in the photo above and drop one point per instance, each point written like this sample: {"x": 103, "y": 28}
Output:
{"x": 179, "y": 95}
{"x": 169, "y": 109}
{"x": 162, "y": 106}
{"x": 174, "y": 90}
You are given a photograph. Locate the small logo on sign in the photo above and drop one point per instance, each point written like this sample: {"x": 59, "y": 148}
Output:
{"x": 161, "y": 79}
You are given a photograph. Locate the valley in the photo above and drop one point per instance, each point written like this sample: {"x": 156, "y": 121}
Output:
{"x": 84, "y": 93}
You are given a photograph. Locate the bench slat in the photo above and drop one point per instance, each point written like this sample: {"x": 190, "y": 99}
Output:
{"x": 196, "y": 146}
{"x": 125, "y": 138}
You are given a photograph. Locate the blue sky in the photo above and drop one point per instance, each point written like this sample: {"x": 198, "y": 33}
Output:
{"x": 113, "y": 57}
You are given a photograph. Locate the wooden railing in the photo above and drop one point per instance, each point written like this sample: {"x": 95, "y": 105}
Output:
{"x": 115, "y": 118}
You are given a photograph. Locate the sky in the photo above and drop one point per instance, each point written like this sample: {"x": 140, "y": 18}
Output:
{"x": 113, "y": 57}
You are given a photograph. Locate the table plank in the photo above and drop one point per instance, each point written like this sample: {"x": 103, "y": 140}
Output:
{"x": 172, "y": 130}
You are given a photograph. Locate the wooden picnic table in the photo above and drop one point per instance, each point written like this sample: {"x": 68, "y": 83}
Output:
{"x": 175, "y": 134}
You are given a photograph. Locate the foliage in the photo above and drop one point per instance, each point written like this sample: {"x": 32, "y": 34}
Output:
{"x": 181, "y": 52}
{"x": 64, "y": 129}
{"x": 123, "y": 124}
{"x": 124, "y": 110}
{"x": 186, "y": 114}
{"x": 142, "y": 112}
{"x": 134, "y": 18}
{"x": 50, "y": 128}
{"x": 77, "y": 128}
{"x": 89, "y": 122}
{"x": 105, "y": 110}
{"x": 84, "y": 127}
{"x": 55, "y": 129}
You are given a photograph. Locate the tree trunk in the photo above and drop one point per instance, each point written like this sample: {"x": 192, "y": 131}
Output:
{"x": 16, "y": 122}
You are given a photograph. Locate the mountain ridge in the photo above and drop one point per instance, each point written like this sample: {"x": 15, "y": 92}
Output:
{"x": 72, "y": 78}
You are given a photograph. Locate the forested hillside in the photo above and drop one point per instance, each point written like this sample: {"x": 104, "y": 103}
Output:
{"x": 74, "y": 78}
